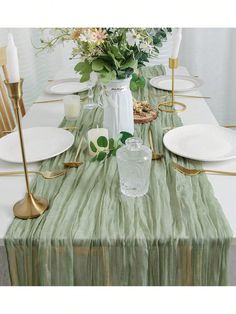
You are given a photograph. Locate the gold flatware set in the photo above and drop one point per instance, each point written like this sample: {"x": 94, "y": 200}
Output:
{"x": 45, "y": 174}
{"x": 47, "y": 101}
{"x": 194, "y": 172}
{"x": 155, "y": 155}
{"x": 75, "y": 163}
{"x": 68, "y": 128}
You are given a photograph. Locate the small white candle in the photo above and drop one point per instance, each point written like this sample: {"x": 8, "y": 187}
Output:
{"x": 93, "y": 135}
{"x": 12, "y": 60}
{"x": 176, "y": 43}
{"x": 72, "y": 107}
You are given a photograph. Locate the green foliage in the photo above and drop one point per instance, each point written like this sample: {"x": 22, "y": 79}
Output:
{"x": 124, "y": 136}
{"x": 93, "y": 147}
{"x": 119, "y": 60}
{"x": 108, "y": 148}
{"x": 85, "y": 69}
{"x": 101, "y": 156}
{"x": 137, "y": 82}
{"x": 113, "y": 53}
{"x": 102, "y": 141}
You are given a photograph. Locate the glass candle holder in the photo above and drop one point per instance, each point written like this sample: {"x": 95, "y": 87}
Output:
{"x": 134, "y": 164}
{"x": 71, "y": 107}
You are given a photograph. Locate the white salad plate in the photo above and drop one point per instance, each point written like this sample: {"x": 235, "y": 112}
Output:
{"x": 205, "y": 142}
{"x": 40, "y": 143}
{"x": 68, "y": 86}
{"x": 182, "y": 83}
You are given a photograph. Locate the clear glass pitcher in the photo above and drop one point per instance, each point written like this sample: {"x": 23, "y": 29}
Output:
{"x": 134, "y": 164}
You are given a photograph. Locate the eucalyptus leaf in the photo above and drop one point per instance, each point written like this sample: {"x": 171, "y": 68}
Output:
{"x": 133, "y": 86}
{"x": 125, "y": 136}
{"x": 106, "y": 77}
{"x": 134, "y": 76}
{"x": 83, "y": 67}
{"x": 131, "y": 63}
{"x": 102, "y": 141}
{"x": 93, "y": 147}
{"x": 113, "y": 152}
{"x": 97, "y": 65}
{"x": 85, "y": 77}
{"x": 111, "y": 143}
{"x": 116, "y": 52}
{"x": 101, "y": 156}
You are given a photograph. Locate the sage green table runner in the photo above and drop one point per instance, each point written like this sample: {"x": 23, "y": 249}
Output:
{"x": 177, "y": 234}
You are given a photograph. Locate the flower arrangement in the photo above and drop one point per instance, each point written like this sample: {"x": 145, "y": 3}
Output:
{"x": 113, "y": 53}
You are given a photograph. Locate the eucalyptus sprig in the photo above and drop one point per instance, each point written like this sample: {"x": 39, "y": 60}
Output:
{"x": 108, "y": 147}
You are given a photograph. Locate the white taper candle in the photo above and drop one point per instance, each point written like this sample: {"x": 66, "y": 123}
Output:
{"x": 176, "y": 43}
{"x": 12, "y": 60}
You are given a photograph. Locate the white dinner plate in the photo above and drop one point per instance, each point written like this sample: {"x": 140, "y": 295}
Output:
{"x": 205, "y": 142}
{"x": 182, "y": 83}
{"x": 68, "y": 86}
{"x": 40, "y": 143}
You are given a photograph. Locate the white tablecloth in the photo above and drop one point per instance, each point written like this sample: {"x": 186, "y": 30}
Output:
{"x": 50, "y": 114}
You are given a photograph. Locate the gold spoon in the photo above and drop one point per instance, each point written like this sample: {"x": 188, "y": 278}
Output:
{"x": 75, "y": 163}
{"x": 155, "y": 155}
{"x": 194, "y": 172}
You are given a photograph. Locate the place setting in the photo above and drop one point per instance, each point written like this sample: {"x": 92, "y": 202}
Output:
{"x": 110, "y": 186}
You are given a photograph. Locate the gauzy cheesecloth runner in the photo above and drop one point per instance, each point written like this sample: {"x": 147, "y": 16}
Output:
{"x": 176, "y": 234}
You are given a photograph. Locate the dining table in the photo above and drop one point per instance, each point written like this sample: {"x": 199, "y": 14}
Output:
{"x": 52, "y": 113}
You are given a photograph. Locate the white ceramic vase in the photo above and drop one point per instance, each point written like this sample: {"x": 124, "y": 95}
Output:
{"x": 118, "y": 107}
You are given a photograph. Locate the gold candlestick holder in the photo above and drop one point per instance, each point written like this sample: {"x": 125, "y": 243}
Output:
{"x": 173, "y": 64}
{"x": 30, "y": 206}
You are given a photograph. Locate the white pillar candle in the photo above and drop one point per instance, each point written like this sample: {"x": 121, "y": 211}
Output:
{"x": 12, "y": 60}
{"x": 176, "y": 43}
{"x": 93, "y": 135}
{"x": 72, "y": 106}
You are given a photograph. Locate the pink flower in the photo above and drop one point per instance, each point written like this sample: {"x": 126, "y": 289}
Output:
{"x": 100, "y": 35}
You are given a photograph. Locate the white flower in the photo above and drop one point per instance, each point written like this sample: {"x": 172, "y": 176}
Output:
{"x": 131, "y": 38}
{"x": 145, "y": 47}
{"x": 87, "y": 36}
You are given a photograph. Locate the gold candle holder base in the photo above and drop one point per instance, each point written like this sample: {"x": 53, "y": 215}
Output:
{"x": 173, "y": 105}
{"x": 30, "y": 206}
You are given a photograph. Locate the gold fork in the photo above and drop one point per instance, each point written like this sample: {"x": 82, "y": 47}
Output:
{"x": 45, "y": 174}
{"x": 194, "y": 172}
